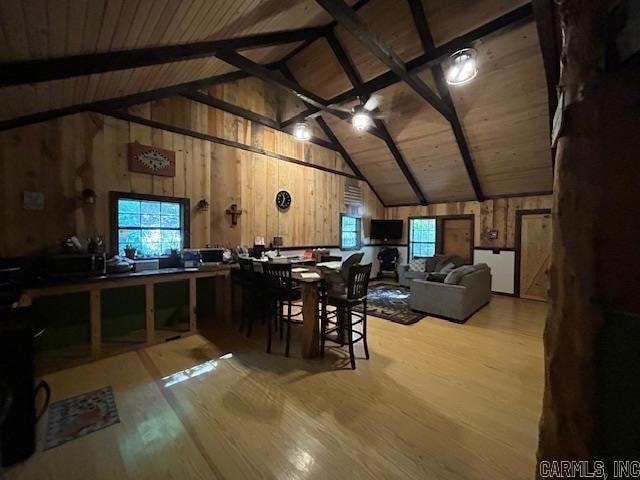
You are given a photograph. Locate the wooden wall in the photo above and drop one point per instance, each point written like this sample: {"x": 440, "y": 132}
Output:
{"x": 497, "y": 214}
{"x": 62, "y": 157}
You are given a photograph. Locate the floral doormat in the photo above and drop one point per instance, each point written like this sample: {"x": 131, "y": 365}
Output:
{"x": 390, "y": 302}
{"x": 81, "y": 415}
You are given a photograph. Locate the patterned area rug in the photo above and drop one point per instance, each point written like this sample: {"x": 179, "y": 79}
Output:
{"x": 78, "y": 416}
{"x": 391, "y": 302}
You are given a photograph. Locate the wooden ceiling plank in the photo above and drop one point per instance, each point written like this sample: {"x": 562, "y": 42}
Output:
{"x": 510, "y": 19}
{"x": 350, "y": 21}
{"x": 31, "y": 71}
{"x": 108, "y": 27}
{"x": 420, "y": 21}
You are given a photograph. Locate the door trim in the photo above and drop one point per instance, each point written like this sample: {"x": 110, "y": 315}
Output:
{"x": 518, "y": 240}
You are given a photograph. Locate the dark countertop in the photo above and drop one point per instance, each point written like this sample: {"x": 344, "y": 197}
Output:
{"x": 56, "y": 282}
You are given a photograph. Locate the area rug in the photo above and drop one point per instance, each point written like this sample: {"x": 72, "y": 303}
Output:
{"x": 390, "y": 302}
{"x": 81, "y": 415}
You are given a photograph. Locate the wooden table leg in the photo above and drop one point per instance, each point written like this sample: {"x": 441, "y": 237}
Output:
{"x": 193, "y": 305}
{"x": 95, "y": 309}
{"x": 310, "y": 318}
{"x": 149, "y": 312}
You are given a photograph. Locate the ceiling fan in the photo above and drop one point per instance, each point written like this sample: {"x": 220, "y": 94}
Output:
{"x": 362, "y": 116}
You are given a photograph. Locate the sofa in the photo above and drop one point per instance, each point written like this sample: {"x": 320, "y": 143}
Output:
{"x": 431, "y": 265}
{"x": 463, "y": 291}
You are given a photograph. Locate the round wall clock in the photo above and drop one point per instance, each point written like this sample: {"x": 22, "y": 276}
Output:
{"x": 283, "y": 199}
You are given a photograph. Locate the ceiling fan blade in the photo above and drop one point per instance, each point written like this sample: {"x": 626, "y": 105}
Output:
{"x": 373, "y": 102}
{"x": 380, "y": 116}
{"x": 314, "y": 115}
{"x": 342, "y": 109}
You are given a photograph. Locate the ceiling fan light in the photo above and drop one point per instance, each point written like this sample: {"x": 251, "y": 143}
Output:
{"x": 301, "y": 131}
{"x": 463, "y": 67}
{"x": 361, "y": 121}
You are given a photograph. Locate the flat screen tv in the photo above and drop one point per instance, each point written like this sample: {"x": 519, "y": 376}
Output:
{"x": 386, "y": 229}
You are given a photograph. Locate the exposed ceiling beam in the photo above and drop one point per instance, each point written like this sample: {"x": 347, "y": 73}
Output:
{"x": 122, "y": 102}
{"x": 349, "y": 20}
{"x": 401, "y": 163}
{"x": 515, "y": 17}
{"x": 356, "y": 80}
{"x": 32, "y": 71}
{"x": 288, "y": 74}
{"x": 550, "y": 45}
{"x": 219, "y": 104}
{"x": 420, "y": 21}
{"x": 272, "y": 78}
{"x": 128, "y": 117}
{"x": 327, "y": 28}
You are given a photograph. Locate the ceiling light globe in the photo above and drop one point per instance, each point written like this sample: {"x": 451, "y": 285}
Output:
{"x": 463, "y": 67}
{"x": 301, "y": 131}
{"x": 361, "y": 121}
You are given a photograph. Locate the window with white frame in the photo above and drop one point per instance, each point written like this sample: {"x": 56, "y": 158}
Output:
{"x": 350, "y": 232}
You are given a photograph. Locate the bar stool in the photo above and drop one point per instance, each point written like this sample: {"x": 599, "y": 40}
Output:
{"x": 252, "y": 294}
{"x": 337, "y": 325}
{"x": 283, "y": 292}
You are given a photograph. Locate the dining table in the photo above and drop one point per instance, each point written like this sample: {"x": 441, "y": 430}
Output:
{"x": 310, "y": 278}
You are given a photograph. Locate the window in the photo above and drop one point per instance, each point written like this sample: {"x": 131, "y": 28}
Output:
{"x": 422, "y": 237}
{"x": 151, "y": 224}
{"x": 350, "y": 228}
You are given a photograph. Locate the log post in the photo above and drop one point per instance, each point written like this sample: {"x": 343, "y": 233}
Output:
{"x": 587, "y": 215}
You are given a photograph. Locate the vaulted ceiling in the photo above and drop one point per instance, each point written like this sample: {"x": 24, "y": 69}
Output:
{"x": 62, "y": 56}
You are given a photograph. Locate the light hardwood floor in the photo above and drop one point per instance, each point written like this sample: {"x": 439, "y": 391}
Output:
{"x": 436, "y": 401}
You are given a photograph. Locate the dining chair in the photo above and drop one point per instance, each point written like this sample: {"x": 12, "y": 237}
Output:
{"x": 338, "y": 326}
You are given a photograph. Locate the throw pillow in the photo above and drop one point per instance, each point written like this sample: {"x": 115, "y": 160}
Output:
{"x": 430, "y": 264}
{"x": 447, "y": 268}
{"x": 454, "y": 276}
{"x": 417, "y": 265}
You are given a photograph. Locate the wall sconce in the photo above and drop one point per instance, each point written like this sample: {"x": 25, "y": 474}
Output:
{"x": 88, "y": 196}
{"x": 202, "y": 205}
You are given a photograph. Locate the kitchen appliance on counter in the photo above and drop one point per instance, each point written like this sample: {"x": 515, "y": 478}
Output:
{"x": 212, "y": 256}
{"x": 190, "y": 258}
{"x": 71, "y": 265}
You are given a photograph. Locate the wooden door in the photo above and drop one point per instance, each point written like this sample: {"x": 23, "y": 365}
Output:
{"x": 535, "y": 251}
{"x": 456, "y": 237}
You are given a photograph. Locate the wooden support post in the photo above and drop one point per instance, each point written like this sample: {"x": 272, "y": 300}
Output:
{"x": 95, "y": 309}
{"x": 150, "y": 312}
{"x": 310, "y": 325}
{"x": 193, "y": 305}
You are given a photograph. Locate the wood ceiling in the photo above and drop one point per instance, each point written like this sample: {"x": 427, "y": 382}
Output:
{"x": 494, "y": 140}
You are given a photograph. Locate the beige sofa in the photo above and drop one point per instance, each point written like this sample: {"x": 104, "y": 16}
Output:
{"x": 467, "y": 291}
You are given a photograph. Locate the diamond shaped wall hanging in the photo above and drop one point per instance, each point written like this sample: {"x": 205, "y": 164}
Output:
{"x": 152, "y": 160}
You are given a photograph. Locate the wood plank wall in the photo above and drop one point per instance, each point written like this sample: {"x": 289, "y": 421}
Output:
{"x": 499, "y": 214}
{"x": 62, "y": 157}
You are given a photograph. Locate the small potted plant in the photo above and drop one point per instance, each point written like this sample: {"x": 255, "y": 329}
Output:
{"x": 130, "y": 251}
